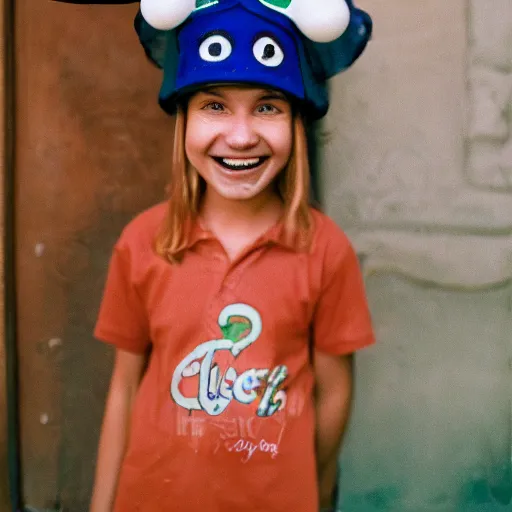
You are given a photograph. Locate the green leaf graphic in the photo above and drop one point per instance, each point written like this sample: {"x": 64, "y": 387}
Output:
{"x": 235, "y": 331}
{"x": 202, "y": 4}
{"x": 280, "y": 4}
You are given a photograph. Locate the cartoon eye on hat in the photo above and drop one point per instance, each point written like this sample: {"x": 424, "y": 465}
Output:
{"x": 324, "y": 22}
{"x": 216, "y": 47}
{"x": 268, "y": 52}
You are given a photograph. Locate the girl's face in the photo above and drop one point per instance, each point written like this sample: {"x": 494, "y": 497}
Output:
{"x": 239, "y": 139}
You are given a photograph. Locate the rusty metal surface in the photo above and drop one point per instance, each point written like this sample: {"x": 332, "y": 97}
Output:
{"x": 93, "y": 149}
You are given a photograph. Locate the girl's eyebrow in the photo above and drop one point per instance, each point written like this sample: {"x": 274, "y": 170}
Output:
{"x": 275, "y": 96}
{"x": 213, "y": 92}
{"x": 266, "y": 95}
{"x": 272, "y": 95}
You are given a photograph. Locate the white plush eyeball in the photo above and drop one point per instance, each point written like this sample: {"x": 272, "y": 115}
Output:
{"x": 268, "y": 52}
{"x": 321, "y": 21}
{"x": 324, "y": 22}
{"x": 166, "y": 14}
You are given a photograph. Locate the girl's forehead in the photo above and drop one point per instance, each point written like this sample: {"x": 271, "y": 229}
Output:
{"x": 242, "y": 91}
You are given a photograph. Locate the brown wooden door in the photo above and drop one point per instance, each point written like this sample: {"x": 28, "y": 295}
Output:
{"x": 92, "y": 149}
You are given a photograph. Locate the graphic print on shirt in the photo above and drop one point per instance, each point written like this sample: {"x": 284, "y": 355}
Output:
{"x": 241, "y": 326}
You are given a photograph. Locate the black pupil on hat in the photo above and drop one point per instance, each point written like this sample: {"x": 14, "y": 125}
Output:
{"x": 215, "y": 49}
{"x": 269, "y": 51}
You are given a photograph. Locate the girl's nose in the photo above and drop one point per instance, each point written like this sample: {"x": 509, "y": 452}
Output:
{"x": 242, "y": 134}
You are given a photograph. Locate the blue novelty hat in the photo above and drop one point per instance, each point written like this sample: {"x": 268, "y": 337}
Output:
{"x": 253, "y": 41}
{"x": 291, "y": 45}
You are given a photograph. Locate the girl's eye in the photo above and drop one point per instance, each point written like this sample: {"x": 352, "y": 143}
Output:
{"x": 267, "y": 109}
{"x": 218, "y": 107}
{"x": 215, "y": 48}
{"x": 268, "y": 52}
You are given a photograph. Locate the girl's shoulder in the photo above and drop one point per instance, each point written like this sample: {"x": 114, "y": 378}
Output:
{"x": 141, "y": 231}
{"x": 327, "y": 234}
{"x": 332, "y": 250}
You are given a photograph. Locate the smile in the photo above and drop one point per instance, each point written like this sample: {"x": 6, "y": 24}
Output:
{"x": 240, "y": 164}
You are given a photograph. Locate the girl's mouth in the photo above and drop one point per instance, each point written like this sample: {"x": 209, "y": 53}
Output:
{"x": 240, "y": 164}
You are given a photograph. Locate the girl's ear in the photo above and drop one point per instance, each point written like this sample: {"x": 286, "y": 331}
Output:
{"x": 166, "y": 14}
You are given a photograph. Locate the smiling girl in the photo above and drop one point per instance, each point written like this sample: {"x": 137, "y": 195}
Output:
{"x": 234, "y": 307}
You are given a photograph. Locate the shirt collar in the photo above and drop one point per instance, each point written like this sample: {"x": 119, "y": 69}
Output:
{"x": 274, "y": 235}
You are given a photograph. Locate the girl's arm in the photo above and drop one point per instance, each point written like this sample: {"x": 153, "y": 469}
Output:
{"x": 126, "y": 377}
{"x": 333, "y": 397}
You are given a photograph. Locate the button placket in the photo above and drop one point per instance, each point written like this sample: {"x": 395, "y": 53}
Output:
{"x": 238, "y": 268}
{"x": 217, "y": 265}
{"x": 227, "y": 278}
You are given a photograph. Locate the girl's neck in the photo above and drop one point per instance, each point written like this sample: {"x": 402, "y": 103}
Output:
{"x": 218, "y": 212}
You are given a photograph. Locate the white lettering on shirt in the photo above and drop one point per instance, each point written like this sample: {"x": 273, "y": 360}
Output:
{"x": 215, "y": 390}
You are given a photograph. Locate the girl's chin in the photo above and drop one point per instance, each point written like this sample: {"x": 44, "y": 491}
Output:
{"x": 238, "y": 195}
{"x": 241, "y": 192}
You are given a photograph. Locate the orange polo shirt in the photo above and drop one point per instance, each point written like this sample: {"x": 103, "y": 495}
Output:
{"x": 224, "y": 417}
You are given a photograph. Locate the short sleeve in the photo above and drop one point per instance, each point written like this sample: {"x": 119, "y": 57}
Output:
{"x": 342, "y": 322}
{"x": 122, "y": 319}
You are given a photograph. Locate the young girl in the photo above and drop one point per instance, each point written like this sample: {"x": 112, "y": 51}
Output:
{"x": 234, "y": 307}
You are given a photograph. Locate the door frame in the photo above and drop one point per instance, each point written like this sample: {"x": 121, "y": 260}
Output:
{"x": 9, "y": 466}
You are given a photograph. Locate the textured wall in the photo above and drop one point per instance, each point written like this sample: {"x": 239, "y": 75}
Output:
{"x": 417, "y": 167}
{"x": 490, "y": 86}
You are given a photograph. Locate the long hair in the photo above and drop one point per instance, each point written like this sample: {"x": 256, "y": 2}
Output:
{"x": 187, "y": 188}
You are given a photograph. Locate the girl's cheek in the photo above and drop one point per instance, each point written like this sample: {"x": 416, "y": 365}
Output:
{"x": 205, "y": 126}
{"x": 197, "y": 130}
{"x": 283, "y": 134}
{"x": 282, "y": 128}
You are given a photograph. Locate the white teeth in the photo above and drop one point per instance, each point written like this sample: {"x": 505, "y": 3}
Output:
{"x": 238, "y": 162}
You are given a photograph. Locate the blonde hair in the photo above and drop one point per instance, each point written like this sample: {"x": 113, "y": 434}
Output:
{"x": 187, "y": 187}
